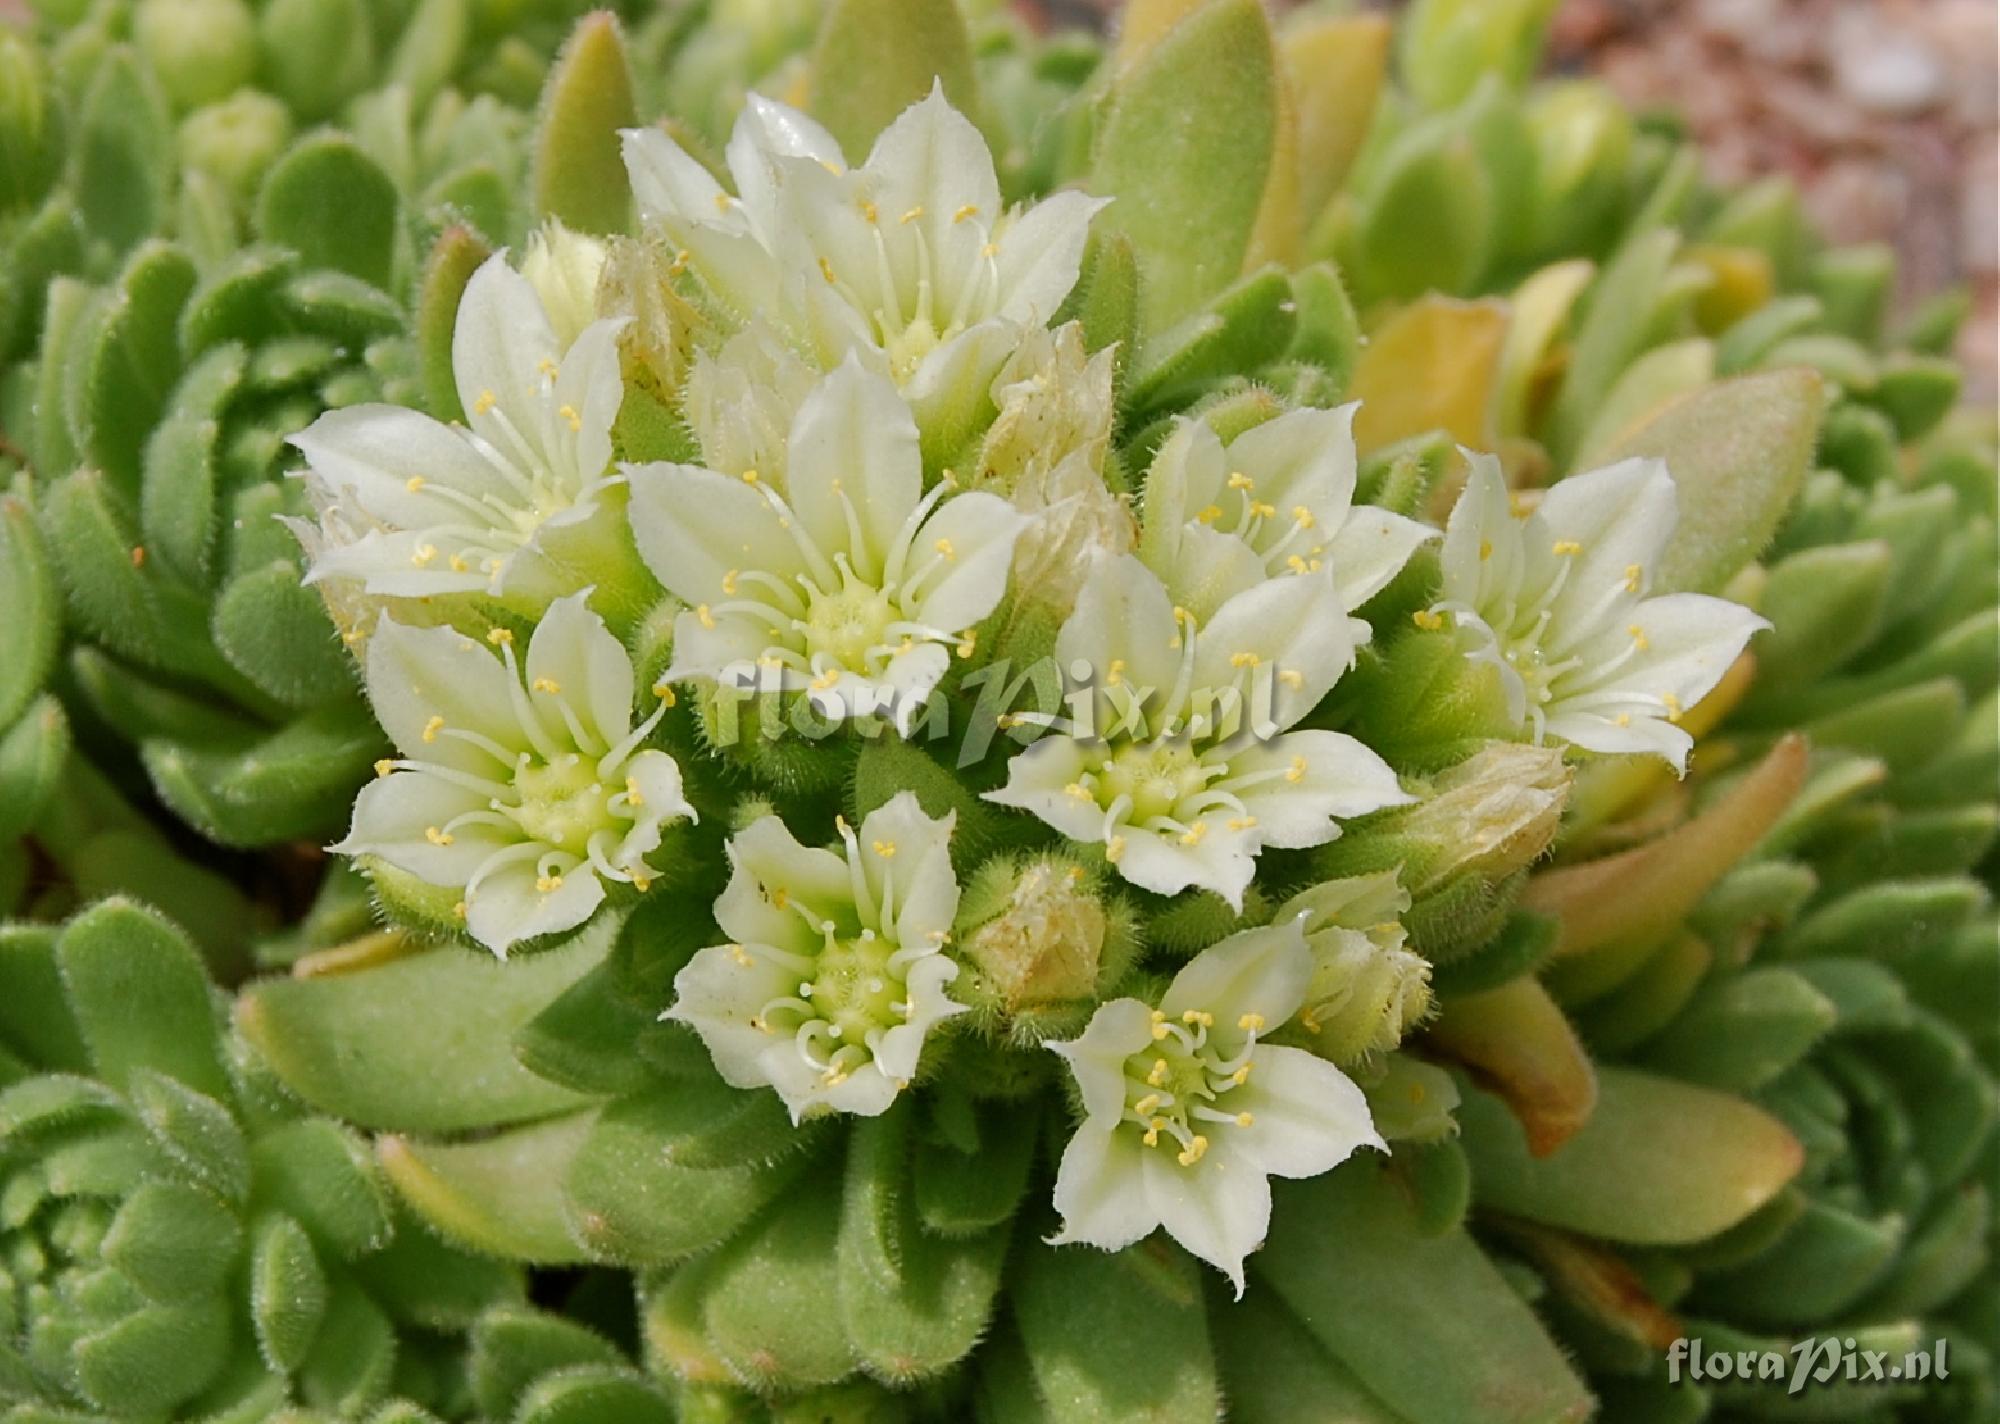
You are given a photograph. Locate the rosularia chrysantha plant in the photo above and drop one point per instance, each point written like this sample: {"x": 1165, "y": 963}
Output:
{"x": 1263, "y": 721}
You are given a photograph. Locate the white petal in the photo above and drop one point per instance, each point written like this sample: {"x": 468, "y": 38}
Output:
{"x": 1622, "y": 516}
{"x": 1123, "y": 614}
{"x": 723, "y": 648}
{"x": 406, "y": 563}
{"x": 656, "y": 777}
{"x": 949, "y": 388}
{"x": 393, "y": 813}
{"x": 717, "y": 994}
{"x": 855, "y": 467}
{"x": 932, "y": 158}
{"x": 575, "y": 653}
{"x": 1336, "y": 778}
{"x": 1293, "y": 624}
{"x": 1096, "y": 1058}
{"x": 865, "y": 1092}
{"x": 667, "y": 182}
{"x": 1164, "y": 863}
{"x": 1209, "y": 568}
{"x": 499, "y": 345}
{"x": 899, "y": 838}
{"x": 591, "y": 384}
{"x": 509, "y": 905}
{"x": 898, "y": 1050}
{"x": 1041, "y": 253}
{"x": 1303, "y": 457}
{"x": 1307, "y": 1116}
{"x": 693, "y": 526}
{"x": 1219, "y": 1208}
{"x": 1037, "y": 780}
{"x": 1370, "y": 550}
{"x": 1100, "y": 1190}
{"x": 1482, "y": 545}
{"x": 766, "y": 853}
{"x": 1260, "y": 971}
{"x": 418, "y": 675}
{"x": 766, "y": 129}
{"x": 1186, "y": 477}
{"x": 960, "y": 560}
{"x": 374, "y": 453}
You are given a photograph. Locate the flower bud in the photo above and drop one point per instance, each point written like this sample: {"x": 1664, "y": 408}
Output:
{"x": 236, "y": 139}
{"x": 1045, "y": 451}
{"x": 1366, "y": 989}
{"x": 201, "y": 49}
{"x": 1494, "y": 813}
{"x": 1040, "y": 938}
{"x": 318, "y": 53}
{"x": 564, "y": 268}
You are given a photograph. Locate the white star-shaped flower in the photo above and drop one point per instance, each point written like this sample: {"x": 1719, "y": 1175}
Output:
{"x": 526, "y": 787}
{"x": 411, "y": 507}
{"x": 852, "y": 584}
{"x": 1277, "y": 499}
{"x": 1555, "y": 598}
{"x": 1188, "y": 1112}
{"x": 909, "y": 259}
{"x": 1186, "y": 766}
{"x": 838, "y": 970}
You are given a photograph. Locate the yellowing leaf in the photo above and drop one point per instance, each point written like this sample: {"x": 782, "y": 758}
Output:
{"x": 1433, "y": 365}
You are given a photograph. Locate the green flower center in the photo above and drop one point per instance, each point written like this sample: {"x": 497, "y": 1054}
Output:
{"x": 846, "y": 625}
{"x": 1158, "y": 777}
{"x": 1176, "y": 1090}
{"x": 563, "y": 803}
{"x": 854, "y": 988}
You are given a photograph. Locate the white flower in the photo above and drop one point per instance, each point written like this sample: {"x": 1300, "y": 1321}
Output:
{"x": 1278, "y": 498}
{"x": 412, "y": 507}
{"x": 529, "y": 797}
{"x": 838, "y": 971}
{"x": 853, "y": 584}
{"x": 1555, "y": 598}
{"x": 1173, "y": 772}
{"x": 1188, "y": 1112}
{"x": 909, "y": 259}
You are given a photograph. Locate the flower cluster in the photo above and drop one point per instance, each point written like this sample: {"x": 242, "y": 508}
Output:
{"x": 854, "y": 331}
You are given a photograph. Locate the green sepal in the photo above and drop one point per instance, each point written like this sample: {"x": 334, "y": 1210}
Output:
{"x": 333, "y": 205}
{"x": 1487, "y": 1358}
{"x": 453, "y": 259}
{"x": 423, "y": 1044}
{"x": 1116, "y": 1337}
{"x": 141, "y": 998}
{"x": 174, "y": 1242}
{"x": 913, "y": 1304}
{"x": 579, "y": 172}
{"x": 960, "y": 1193}
{"x": 873, "y": 59}
{"x": 1244, "y": 326}
{"x": 889, "y": 765}
{"x": 1187, "y": 195}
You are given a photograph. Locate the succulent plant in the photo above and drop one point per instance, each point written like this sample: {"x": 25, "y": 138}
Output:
{"x": 1259, "y": 719}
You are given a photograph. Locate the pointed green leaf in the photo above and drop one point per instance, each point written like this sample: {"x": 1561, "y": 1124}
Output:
{"x": 330, "y": 203}
{"x": 579, "y": 171}
{"x": 875, "y": 58}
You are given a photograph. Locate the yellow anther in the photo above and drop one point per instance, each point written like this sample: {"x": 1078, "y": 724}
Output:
{"x": 1632, "y": 575}
{"x": 1303, "y": 517}
{"x": 632, "y": 796}
{"x": 487, "y": 400}
{"x": 1241, "y": 1075}
{"x": 1158, "y": 1074}
{"x": 1244, "y": 1119}
{"x": 1209, "y": 515}
{"x": 384, "y": 767}
{"x": 780, "y": 898}
{"x": 1115, "y": 674}
{"x": 680, "y": 262}
{"x": 1198, "y": 1016}
{"x": 722, "y": 201}
{"x": 967, "y": 643}
{"x": 1078, "y": 790}
{"x": 970, "y": 210}
{"x": 437, "y": 836}
{"x": 1243, "y": 660}
{"x": 830, "y": 166}
{"x": 944, "y": 547}
{"x": 458, "y": 911}
{"x": 549, "y": 884}
{"x": 458, "y": 564}
{"x": 1291, "y": 677}
{"x": 1623, "y": 719}
{"x": 432, "y": 728}
{"x": 1639, "y": 637}
{"x": 912, "y": 215}
{"x": 1242, "y": 823}
{"x": 868, "y": 212}
{"x": 750, "y": 477}
{"x": 1673, "y": 706}
{"x": 1485, "y": 550}
{"x": 991, "y": 249}
{"x": 423, "y": 554}
{"x": 885, "y": 849}
{"x": 414, "y": 483}
{"x": 1566, "y": 547}
{"x": 1251, "y": 1023}
{"x": 1193, "y": 835}
{"x": 1114, "y": 849}
{"x": 729, "y": 582}
{"x": 826, "y": 271}
{"x": 1297, "y": 771}
{"x": 570, "y": 417}
{"x": 642, "y": 883}
{"x": 351, "y": 636}
{"x": 501, "y": 637}
{"x": 1296, "y": 563}
{"x": 1153, "y": 1130}
{"x": 548, "y": 368}
{"x": 1261, "y": 510}
{"x": 826, "y": 681}
{"x": 706, "y": 618}
{"x": 546, "y": 684}
{"x": 1196, "y": 1149}
{"x": 1240, "y": 481}
{"x": 906, "y": 645}
{"x": 1146, "y": 1104}
{"x": 1428, "y": 619}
